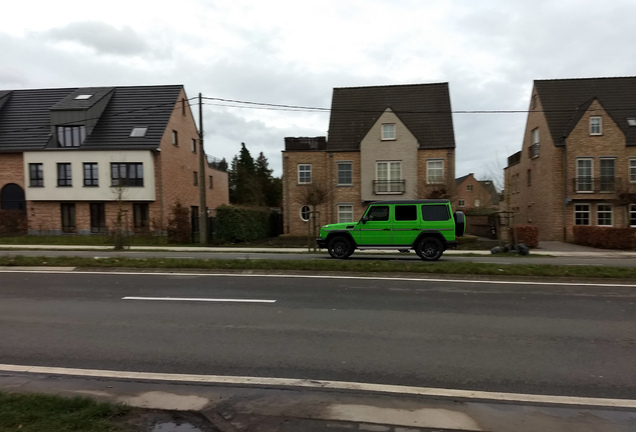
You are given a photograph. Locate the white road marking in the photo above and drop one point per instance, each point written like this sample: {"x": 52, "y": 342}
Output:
{"x": 489, "y": 281}
{"x": 200, "y": 299}
{"x": 324, "y": 384}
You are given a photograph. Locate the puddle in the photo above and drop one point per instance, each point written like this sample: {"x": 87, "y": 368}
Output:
{"x": 174, "y": 427}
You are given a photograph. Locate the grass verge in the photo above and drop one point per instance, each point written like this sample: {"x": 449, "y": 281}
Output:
{"x": 328, "y": 265}
{"x": 283, "y": 241}
{"x": 37, "y": 413}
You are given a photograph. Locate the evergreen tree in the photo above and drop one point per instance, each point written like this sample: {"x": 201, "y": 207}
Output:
{"x": 251, "y": 182}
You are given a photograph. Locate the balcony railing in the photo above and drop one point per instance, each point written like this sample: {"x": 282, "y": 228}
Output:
{"x": 534, "y": 150}
{"x": 596, "y": 185}
{"x": 388, "y": 186}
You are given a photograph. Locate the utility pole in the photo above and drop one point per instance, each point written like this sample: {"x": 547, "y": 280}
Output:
{"x": 203, "y": 208}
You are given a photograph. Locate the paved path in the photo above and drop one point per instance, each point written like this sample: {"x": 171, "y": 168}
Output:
{"x": 545, "y": 248}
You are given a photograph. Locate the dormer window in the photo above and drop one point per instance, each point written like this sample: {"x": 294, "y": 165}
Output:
{"x": 596, "y": 126}
{"x": 138, "y": 132}
{"x": 388, "y": 131}
{"x": 71, "y": 136}
{"x": 83, "y": 97}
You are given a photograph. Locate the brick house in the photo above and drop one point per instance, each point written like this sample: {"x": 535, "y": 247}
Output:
{"x": 71, "y": 157}
{"x": 577, "y": 165}
{"x": 385, "y": 143}
{"x": 473, "y": 193}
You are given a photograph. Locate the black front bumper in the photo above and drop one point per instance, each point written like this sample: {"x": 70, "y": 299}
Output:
{"x": 321, "y": 242}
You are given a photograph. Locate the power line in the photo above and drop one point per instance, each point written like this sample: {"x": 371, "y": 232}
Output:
{"x": 240, "y": 104}
{"x": 282, "y": 107}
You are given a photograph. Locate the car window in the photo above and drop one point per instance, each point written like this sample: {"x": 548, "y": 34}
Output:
{"x": 405, "y": 212}
{"x": 378, "y": 213}
{"x": 435, "y": 213}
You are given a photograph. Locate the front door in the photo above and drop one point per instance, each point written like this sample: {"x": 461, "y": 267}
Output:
{"x": 377, "y": 229}
{"x": 98, "y": 218}
{"x": 12, "y": 198}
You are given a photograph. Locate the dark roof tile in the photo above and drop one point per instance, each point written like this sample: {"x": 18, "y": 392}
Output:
{"x": 565, "y": 100}
{"x": 25, "y": 118}
{"x": 424, "y": 108}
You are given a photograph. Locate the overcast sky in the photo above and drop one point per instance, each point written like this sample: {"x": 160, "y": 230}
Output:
{"x": 295, "y": 52}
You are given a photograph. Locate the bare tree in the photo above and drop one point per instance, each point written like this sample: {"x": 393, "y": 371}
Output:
{"x": 119, "y": 234}
{"x": 314, "y": 195}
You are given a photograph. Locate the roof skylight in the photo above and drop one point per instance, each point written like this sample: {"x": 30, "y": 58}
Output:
{"x": 83, "y": 97}
{"x": 631, "y": 121}
{"x": 139, "y": 132}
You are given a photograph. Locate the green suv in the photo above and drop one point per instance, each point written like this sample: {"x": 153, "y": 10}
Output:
{"x": 427, "y": 226}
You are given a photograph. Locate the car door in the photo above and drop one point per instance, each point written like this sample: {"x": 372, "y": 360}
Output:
{"x": 376, "y": 228}
{"x": 406, "y": 225}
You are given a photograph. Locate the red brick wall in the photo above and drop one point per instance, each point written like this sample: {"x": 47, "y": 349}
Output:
{"x": 12, "y": 169}
{"x": 539, "y": 203}
{"x": 477, "y": 192}
{"x": 175, "y": 169}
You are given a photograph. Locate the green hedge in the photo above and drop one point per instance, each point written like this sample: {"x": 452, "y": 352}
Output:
{"x": 238, "y": 224}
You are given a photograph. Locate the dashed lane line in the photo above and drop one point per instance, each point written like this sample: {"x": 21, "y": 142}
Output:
{"x": 199, "y": 299}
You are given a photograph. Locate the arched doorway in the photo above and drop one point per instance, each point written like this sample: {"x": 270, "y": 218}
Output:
{"x": 12, "y": 197}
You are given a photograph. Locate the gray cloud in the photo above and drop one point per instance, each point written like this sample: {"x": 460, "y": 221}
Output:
{"x": 102, "y": 37}
{"x": 489, "y": 52}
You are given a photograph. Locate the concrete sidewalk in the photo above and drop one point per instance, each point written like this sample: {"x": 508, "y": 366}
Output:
{"x": 192, "y": 407}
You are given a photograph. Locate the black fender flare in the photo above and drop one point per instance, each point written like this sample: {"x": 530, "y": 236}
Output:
{"x": 429, "y": 233}
{"x": 346, "y": 234}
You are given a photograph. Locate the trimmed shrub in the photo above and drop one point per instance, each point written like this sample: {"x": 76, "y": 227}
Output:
{"x": 240, "y": 224}
{"x": 13, "y": 222}
{"x": 179, "y": 229}
{"x": 605, "y": 237}
{"x": 528, "y": 234}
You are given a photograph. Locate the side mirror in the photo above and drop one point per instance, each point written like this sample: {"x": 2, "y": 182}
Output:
{"x": 364, "y": 219}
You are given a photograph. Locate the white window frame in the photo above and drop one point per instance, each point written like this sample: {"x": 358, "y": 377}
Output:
{"x": 477, "y": 202}
{"x": 591, "y": 176}
{"x": 607, "y": 183}
{"x": 345, "y": 212}
{"x": 304, "y": 209}
{"x": 391, "y": 188}
{"x": 338, "y": 165}
{"x": 588, "y": 212}
{"x": 388, "y": 132}
{"x": 461, "y": 203}
{"x": 138, "y": 132}
{"x": 469, "y": 188}
{"x": 607, "y": 210}
{"x": 596, "y": 125}
{"x": 632, "y": 170}
{"x": 535, "y": 148}
{"x": 429, "y": 178}
{"x": 304, "y": 173}
{"x": 632, "y": 215}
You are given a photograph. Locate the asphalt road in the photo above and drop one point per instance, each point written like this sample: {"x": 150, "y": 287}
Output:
{"x": 498, "y": 259}
{"x": 525, "y": 338}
